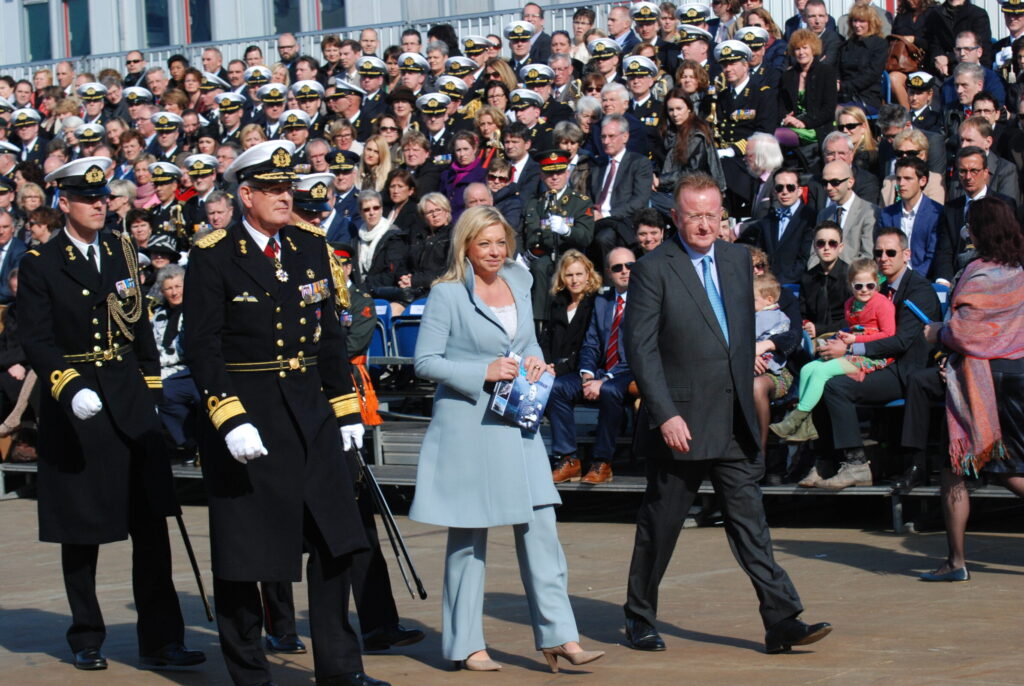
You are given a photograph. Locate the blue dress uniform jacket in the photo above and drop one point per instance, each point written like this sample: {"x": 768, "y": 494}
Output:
{"x": 87, "y": 468}
{"x": 240, "y": 314}
{"x": 753, "y": 110}
{"x": 475, "y": 470}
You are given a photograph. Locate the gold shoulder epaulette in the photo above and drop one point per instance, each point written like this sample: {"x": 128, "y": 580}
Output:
{"x": 211, "y": 239}
{"x": 34, "y": 253}
{"x": 311, "y": 228}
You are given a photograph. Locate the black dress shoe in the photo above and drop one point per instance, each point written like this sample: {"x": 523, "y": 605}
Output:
{"x": 642, "y": 636}
{"x": 286, "y": 643}
{"x": 172, "y": 655}
{"x": 793, "y": 632}
{"x": 385, "y": 637}
{"x": 351, "y": 679}
{"x": 89, "y": 659}
{"x": 912, "y": 478}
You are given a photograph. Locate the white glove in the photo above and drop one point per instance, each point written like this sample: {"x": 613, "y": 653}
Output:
{"x": 86, "y": 403}
{"x": 726, "y": 152}
{"x": 244, "y": 443}
{"x": 352, "y": 434}
{"x": 1003, "y": 56}
{"x": 557, "y": 224}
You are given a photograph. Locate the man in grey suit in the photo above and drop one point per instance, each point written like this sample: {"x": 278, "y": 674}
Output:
{"x": 620, "y": 187}
{"x": 857, "y": 217}
{"x": 689, "y": 333}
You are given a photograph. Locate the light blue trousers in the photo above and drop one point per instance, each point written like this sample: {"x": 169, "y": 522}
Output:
{"x": 545, "y": 578}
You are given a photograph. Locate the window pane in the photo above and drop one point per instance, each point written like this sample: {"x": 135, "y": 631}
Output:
{"x": 37, "y": 19}
{"x": 199, "y": 14}
{"x": 158, "y": 24}
{"x": 286, "y": 15}
{"x": 332, "y": 14}
{"x": 78, "y": 27}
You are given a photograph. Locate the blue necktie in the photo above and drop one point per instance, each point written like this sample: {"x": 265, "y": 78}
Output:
{"x": 716, "y": 300}
{"x": 783, "y": 214}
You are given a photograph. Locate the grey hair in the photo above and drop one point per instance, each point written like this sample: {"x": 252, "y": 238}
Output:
{"x": 893, "y": 115}
{"x": 558, "y": 57}
{"x": 436, "y": 199}
{"x": 123, "y": 187}
{"x": 971, "y": 69}
{"x": 474, "y": 186}
{"x": 567, "y": 131}
{"x": 616, "y": 88}
{"x": 588, "y": 105}
{"x": 439, "y": 46}
{"x": 838, "y": 136}
{"x": 166, "y": 272}
{"x": 368, "y": 194}
{"x": 218, "y": 196}
{"x": 767, "y": 153}
{"x": 616, "y": 119}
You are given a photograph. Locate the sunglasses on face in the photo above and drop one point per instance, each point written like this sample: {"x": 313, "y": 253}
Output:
{"x": 371, "y": 208}
{"x": 848, "y": 127}
{"x": 788, "y": 187}
{"x": 906, "y": 153}
{"x": 498, "y": 178}
{"x": 616, "y": 268}
{"x": 132, "y": 61}
{"x": 759, "y": 265}
{"x": 389, "y": 128}
{"x": 830, "y": 242}
{"x": 835, "y": 182}
{"x": 869, "y": 286}
{"x": 888, "y": 253}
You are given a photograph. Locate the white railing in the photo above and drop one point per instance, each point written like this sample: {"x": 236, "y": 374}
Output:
{"x": 557, "y": 17}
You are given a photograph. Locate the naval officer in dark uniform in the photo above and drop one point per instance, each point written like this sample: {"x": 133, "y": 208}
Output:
{"x": 103, "y": 475}
{"x": 269, "y": 360}
{"x": 746, "y": 105}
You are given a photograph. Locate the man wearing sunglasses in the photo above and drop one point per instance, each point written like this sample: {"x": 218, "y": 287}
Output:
{"x": 855, "y": 216}
{"x": 836, "y": 416}
{"x": 135, "y": 69}
{"x": 838, "y": 146}
{"x": 786, "y": 232}
{"x": 604, "y": 379}
{"x": 916, "y": 214}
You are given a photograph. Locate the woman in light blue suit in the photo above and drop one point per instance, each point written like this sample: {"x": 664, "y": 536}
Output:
{"x": 476, "y": 471}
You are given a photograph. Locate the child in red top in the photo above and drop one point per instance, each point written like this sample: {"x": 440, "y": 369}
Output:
{"x": 871, "y": 316}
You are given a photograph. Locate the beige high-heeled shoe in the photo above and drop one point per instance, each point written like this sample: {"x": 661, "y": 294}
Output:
{"x": 478, "y": 665}
{"x": 576, "y": 659}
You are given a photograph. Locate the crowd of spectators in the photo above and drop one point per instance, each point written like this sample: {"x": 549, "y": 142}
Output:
{"x": 851, "y": 153}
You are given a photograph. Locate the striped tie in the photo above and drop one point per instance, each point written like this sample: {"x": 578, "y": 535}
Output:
{"x": 716, "y": 300}
{"x": 611, "y": 357}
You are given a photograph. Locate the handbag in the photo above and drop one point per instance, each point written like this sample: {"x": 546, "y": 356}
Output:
{"x": 904, "y": 57}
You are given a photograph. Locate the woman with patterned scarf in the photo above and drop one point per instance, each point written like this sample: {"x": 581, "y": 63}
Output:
{"x": 984, "y": 335}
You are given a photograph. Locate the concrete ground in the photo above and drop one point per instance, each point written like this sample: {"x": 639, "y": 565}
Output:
{"x": 889, "y": 627}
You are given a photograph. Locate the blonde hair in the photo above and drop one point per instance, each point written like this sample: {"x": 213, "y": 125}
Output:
{"x": 377, "y": 176}
{"x": 862, "y": 265}
{"x": 867, "y": 142}
{"x": 569, "y": 258}
{"x": 472, "y": 222}
{"x": 767, "y": 286}
{"x": 250, "y": 128}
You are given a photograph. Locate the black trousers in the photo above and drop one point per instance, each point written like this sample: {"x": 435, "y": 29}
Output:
{"x": 240, "y": 617}
{"x": 671, "y": 488}
{"x": 371, "y": 585}
{"x": 924, "y": 387}
{"x": 159, "y": 614}
{"x": 837, "y": 413}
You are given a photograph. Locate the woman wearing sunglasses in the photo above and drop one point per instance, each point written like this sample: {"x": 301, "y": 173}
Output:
{"x": 853, "y": 122}
{"x": 870, "y": 317}
{"x": 913, "y": 143}
{"x": 805, "y": 93}
{"x": 824, "y": 287}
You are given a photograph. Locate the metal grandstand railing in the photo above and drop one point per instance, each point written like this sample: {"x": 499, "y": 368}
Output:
{"x": 557, "y": 17}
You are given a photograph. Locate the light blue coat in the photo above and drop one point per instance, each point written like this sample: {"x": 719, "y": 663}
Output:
{"x": 475, "y": 470}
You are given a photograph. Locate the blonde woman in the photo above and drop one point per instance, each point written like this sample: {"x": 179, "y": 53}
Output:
{"x": 375, "y": 164}
{"x": 479, "y": 306}
{"x": 852, "y": 121}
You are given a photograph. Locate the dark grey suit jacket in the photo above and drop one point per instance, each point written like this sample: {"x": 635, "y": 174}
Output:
{"x": 631, "y": 188}
{"x": 682, "y": 363}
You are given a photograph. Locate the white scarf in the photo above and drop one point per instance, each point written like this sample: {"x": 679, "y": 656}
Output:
{"x": 368, "y": 240}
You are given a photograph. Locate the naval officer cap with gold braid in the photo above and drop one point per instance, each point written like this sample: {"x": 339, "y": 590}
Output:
{"x": 86, "y": 177}
{"x": 310, "y": 192}
{"x": 269, "y": 162}
{"x": 200, "y": 165}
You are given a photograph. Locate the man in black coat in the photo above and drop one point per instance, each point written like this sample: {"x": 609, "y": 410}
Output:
{"x": 785, "y": 234}
{"x": 946, "y": 21}
{"x": 103, "y": 474}
{"x": 269, "y": 359}
{"x": 746, "y": 105}
{"x": 837, "y": 413}
{"x": 695, "y": 294}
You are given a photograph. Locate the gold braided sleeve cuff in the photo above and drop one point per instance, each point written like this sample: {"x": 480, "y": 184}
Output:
{"x": 59, "y": 379}
{"x": 223, "y": 409}
{"x": 345, "y": 405}
{"x": 154, "y": 383}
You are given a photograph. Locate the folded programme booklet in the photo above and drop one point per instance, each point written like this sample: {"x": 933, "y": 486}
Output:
{"x": 519, "y": 402}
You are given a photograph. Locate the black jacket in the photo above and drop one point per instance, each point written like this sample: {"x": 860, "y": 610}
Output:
{"x": 908, "y": 345}
{"x": 861, "y": 62}
{"x": 822, "y": 297}
{"x": 389, "y": 262}
{"x": 819, "y": 97}
{"x": 788, "y": 257}
{"x": 945, "y": 22}
{"x": 428, "y": 255}
{"x": 951, "y": 244}
{"x": 561, "y": 339}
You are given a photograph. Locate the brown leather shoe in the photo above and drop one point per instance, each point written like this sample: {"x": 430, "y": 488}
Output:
{"x": 600, "y": 473}
{"x": 567, "y": 469}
